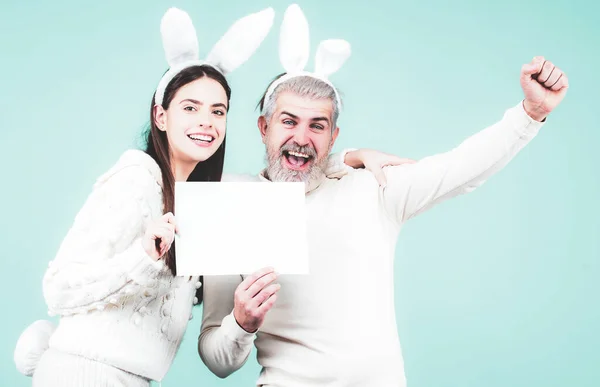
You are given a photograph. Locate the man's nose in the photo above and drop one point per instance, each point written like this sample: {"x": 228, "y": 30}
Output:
{"x": 301, "y": 136}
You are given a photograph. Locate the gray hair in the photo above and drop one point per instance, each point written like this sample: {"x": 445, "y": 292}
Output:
{"x": 304, "y": 86}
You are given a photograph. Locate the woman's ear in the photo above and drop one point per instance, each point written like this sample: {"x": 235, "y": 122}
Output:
{"x": 160, "y": 117}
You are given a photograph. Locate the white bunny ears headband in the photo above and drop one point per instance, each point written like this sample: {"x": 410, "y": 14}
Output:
{"x": 235, "y": 47}
{"x": 294, "y": 50}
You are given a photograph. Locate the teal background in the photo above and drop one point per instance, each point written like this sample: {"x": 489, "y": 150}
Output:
{"x": 496, "y": 288}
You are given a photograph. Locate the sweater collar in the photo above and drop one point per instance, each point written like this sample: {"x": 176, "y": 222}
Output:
{"x": 310, "y": 187}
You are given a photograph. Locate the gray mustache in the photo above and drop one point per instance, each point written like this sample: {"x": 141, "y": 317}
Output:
{"x": 306, "y": 149}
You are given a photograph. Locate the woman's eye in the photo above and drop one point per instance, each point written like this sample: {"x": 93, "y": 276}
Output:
{"x": 189, "y": 108}
{"x": 219, "y": 112}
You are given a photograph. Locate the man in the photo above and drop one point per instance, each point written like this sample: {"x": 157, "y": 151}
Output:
{"x": 336, "y": 326}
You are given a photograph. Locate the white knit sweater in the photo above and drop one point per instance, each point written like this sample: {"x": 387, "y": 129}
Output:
{"x": 117, "y": 305}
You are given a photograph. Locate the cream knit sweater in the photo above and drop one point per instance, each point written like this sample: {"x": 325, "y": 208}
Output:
{"x": 336, "y": 327}
{"x": 117, "y": 305}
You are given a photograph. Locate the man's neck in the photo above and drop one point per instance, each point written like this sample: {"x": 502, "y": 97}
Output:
{"x": 309, "y": 186}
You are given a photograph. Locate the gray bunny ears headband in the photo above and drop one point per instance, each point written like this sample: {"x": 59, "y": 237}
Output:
{"x": 236, "y": 46}
{"x": 294, "y": 50}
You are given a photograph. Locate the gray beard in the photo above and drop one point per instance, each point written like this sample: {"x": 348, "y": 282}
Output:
{"x": 277, "y": 172}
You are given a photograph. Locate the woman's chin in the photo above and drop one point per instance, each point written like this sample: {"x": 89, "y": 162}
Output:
{"x": 202, "y": 153}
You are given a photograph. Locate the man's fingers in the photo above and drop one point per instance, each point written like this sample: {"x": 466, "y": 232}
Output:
{"x": 268, "y": 304}
{"x": 250, "y": 311}
{"x": 260, "y": 284}
{"x": 380, "y": 176}
{"x": 399, "y": 161}
{"x": 546, "y": 72}
{"x": 554, "y": 77}
{"x": 252, "y": 278}
{"x": 263, "y": 295}
{"x": 562, "y": 87}
{"x": 561, "y": 83}
{"x": 534, "y": 67}
{"x": 377, "y": 169}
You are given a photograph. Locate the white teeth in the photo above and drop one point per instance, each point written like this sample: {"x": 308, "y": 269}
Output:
{"x": 298, "y": 154}
{"x": 201, "y": 137}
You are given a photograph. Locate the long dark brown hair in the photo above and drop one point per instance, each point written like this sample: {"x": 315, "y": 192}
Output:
{"x": 157, "y": 145}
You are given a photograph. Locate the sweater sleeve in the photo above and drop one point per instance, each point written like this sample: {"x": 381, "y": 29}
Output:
{"x": 101, "y": 260}
{"x": 336, "y": 167}
{"x": 223, "y": 345}
{"x": 415, "y": 188}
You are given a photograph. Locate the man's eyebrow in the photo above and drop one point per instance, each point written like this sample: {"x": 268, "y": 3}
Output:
{"x": 320, "y": 119}
{"x": 289, "y": 114}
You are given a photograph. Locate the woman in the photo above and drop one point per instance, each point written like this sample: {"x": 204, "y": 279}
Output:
{"x": 123, "y": 312}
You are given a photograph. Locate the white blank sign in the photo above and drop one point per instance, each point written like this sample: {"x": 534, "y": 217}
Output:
{"x": 229, "y": 228}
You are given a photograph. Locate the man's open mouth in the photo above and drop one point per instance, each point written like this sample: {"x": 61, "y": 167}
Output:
{"x": 297, "y": 159}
